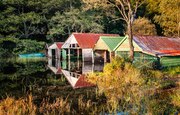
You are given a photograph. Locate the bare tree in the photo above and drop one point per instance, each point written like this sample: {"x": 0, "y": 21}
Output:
{"x": 127, "y": 10}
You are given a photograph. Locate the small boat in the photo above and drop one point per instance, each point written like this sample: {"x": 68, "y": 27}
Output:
{"x": 34, "y": 55}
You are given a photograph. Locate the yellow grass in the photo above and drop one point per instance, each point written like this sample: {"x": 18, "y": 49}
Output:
{"x": 59, "y": 106}
{"x": 11, "y": 106}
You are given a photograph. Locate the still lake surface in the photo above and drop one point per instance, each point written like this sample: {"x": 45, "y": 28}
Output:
{"x": 54, "y": 78}
{"x": 19, "y": 76}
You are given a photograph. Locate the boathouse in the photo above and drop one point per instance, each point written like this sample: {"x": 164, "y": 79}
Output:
{"x": 54, "y": 65}
{"x": 106, "y": 45}
{"x": 54, "y": 50}
{"x": 163, "y": 51}
{"x": 80, "y": 45}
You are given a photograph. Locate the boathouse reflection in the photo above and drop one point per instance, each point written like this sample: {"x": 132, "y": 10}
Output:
{"x": 75, "y": 71}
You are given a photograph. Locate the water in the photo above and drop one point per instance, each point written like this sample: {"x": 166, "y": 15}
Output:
{"x": 45, "y": 78}
{"x": 74, "y": 71}
{"x": 16, "y": 77}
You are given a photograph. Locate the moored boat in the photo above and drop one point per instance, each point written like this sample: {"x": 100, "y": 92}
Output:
{"x": 31, "y": 55}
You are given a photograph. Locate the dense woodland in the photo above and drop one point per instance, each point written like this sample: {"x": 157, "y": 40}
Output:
{"x": 28, "y": 87}
{"x": 24, "y": 22}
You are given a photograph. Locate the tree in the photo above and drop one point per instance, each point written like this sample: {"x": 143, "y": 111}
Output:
{"x": 167, "y": 15}
{"x": 20, "y": 18}
{"x": 127, "y": 10}
{"x": 73, "y": 21}
{"x": 143, "y": 26}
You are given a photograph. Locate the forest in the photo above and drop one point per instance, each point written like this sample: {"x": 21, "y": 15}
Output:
{"x": 30, "y": 87}
{"x": 23, "y": 22}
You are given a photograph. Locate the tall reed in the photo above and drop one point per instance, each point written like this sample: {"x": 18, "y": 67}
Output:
{"x": 11, "y": 106}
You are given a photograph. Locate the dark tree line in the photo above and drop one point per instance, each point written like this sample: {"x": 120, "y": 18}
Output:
{"x": 54, "y": 20}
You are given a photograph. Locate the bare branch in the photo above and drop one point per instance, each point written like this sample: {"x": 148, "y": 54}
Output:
{"x": 123, "y": 11}
{"x": 138, "y": 4}
{"x": 118, "y": 19}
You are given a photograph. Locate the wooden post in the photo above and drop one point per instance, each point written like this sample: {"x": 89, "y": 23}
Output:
{"x": 77, "y": 53}
{"x": 56, "y": 53}
{"x": 49, "y": 62}
{"x": 112, "y": 55}
{"x": 105, "y": 57}
{"x": 78, "y": 64}
{"x": 58, "y": 63}
{"x": 82, "y": 55}
{"x": 92, "y": 56}
{"x": 59, "y": 53}
{"x": 69, "y": 53}
{"x": 93, "y": 67}
{"x": 49, "y": 52}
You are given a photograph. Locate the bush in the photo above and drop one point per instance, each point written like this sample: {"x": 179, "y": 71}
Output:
{"x": 28, "y": 46}
{"x": 4, "y": 53}
{"x": 167, "y": 84}
{"x": 173, "y": 71}
{"x": 10, "y": 47}
{"x": 120, "y": 82}
{"x": 6, "y": 47}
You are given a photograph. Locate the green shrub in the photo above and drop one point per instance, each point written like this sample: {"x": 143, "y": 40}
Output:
{"x": 10, "y": 47}
{"x": 28, "y": 46}
{"x": 173, "y": 71}
{"x": 6, "y": 47}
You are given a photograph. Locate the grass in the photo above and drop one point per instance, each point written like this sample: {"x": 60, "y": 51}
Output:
{"x": 11, "y": 106}
{"x": 60, "y": 106}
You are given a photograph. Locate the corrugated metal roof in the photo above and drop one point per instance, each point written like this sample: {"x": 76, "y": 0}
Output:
{"x": 82, "y": 82}
{"x": 59, "y": 44}
{"x": 56, "y": 45}
{"x": 157, "y": 45}
{"x": 55, "y": 70}
{"x": 75, "y": 82}
{"x": 111, "y": 41}
{"x": 88, "y": 40}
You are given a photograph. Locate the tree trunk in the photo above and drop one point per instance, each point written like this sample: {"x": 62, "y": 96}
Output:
{"x": 130, "y": 38}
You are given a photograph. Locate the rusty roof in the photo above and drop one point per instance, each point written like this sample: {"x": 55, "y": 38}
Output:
{"x": 158, "y": 45}
{"x": 56, "y": 45}
{"x": 88, "y": 40}
{"x": 82, "y": 82}
{"x": 59, "y": 71}
{"x": 59, "y": 44}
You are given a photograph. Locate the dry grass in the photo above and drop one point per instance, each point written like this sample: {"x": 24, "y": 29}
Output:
{"x": 59, "y": 106}
{"x": 82, "y": 105}
{"x": 11, "y": 106}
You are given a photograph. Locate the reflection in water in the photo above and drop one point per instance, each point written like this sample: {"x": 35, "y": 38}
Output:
{"x": 18, "y": 77}
{"x": 74, "y": 70}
